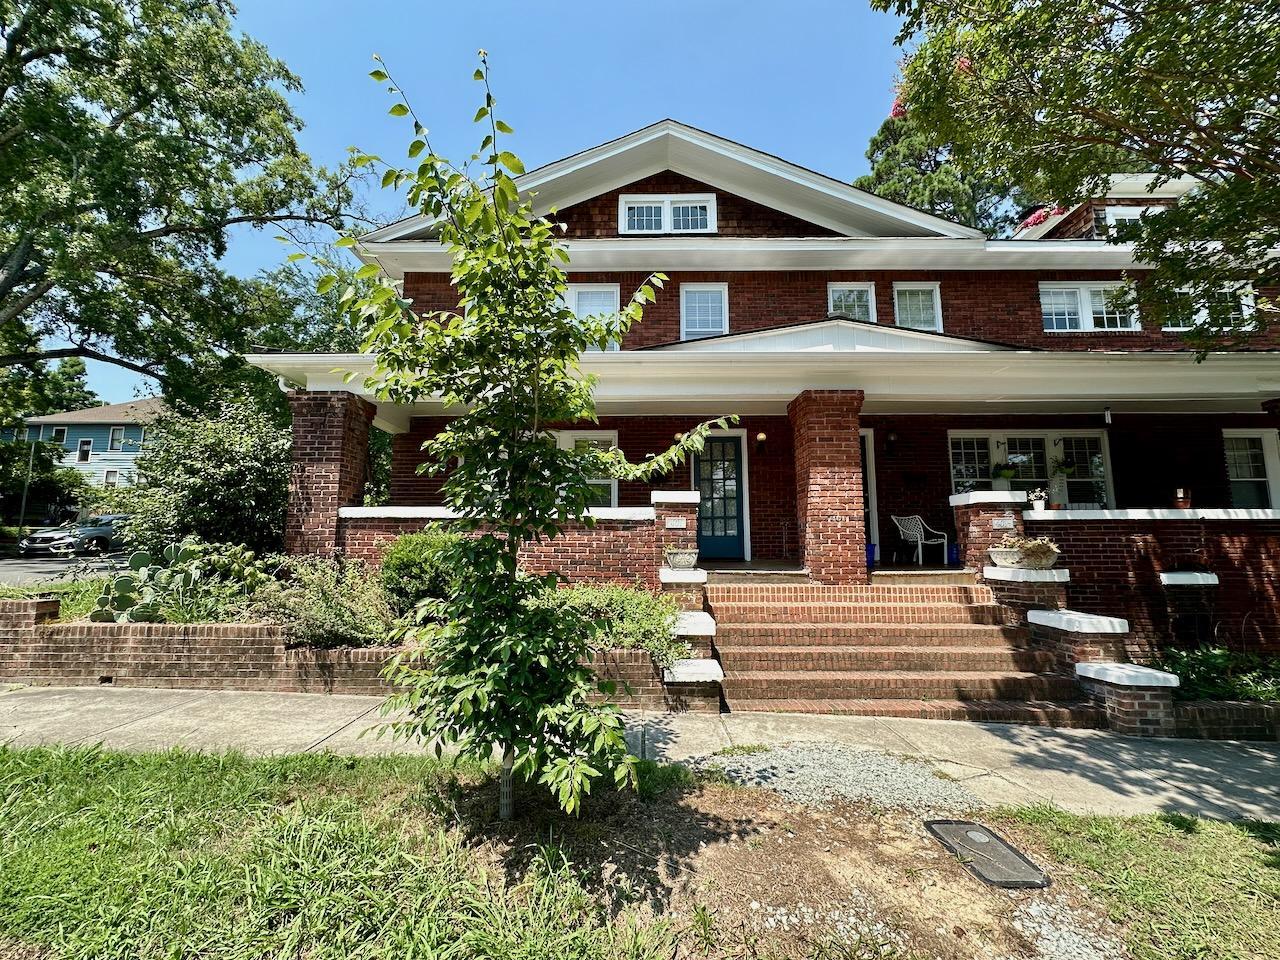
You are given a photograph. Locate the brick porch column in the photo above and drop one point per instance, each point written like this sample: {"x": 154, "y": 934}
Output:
{"x": 330, "y": 466}
{"x": 983, "y": 519}
{"x": 833, "y": 543}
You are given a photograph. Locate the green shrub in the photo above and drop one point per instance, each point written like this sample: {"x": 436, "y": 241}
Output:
{"x": 222, "y": 478}
{"x": 412, "y": 568}
{"x": 1212, "y": 673}
{"x": 626, "y": 617}
{"x": 326, "y": 603}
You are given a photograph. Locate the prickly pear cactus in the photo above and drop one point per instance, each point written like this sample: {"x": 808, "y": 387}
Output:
{"x": 135, "y": 596}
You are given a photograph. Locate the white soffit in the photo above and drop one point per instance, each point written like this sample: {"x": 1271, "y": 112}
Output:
{"x": 834, "y": 336}
{"x": 723, "y": 164}
{"x": 717, "y": 382}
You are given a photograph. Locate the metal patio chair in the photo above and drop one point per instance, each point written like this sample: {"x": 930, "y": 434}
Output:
{"x": 914, "y": 530}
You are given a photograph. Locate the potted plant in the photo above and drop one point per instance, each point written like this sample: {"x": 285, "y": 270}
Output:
{"x": 1037, "y": 498}
{"x": 682, "y": 558}
{"x": 1006, "y": 553}
{"x": 1064, "y": 469}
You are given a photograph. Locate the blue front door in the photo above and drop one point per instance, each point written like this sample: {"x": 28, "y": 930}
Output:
{"x": 718, "y": 473}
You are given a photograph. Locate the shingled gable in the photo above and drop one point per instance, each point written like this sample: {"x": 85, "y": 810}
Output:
{"x": 740, "y": 171}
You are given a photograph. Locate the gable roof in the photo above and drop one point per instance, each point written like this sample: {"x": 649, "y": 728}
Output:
{"x": 834, "y": 334}
{"x": 738, "y": 169}
{"x": 131, "y": 411}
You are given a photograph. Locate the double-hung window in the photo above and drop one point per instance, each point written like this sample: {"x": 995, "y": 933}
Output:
{"x": 1068, "y": 307}
{"x": 1253, "y": 467}
{"x": 918, "y": 306}
{"x": 605, "y": 489}
{"x": 671, "y": 213}
{"x": 704, "y": 310}
{"x": 111, "y": 479}
{"x": 857, "y": 301}
{"x": 593, "y": 299}
{"x": 115, "y": 442}
{"x": 83, "y": 449}
{"x": 1070, "y": 466}
{"x": 1228, "y": 308}
{"x": 59, "y": 435}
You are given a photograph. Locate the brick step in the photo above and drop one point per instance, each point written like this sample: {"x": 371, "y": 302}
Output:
{"x": 729, "y": 634}
{"x": 758, "y": 577}
{"x": 917, "y": 577}
{"x": 1045, "y": 713}
{"x": 854, "y": 593}
{"x": 743, "y": 659}
{"x": 895, "y": 685}
{"x": 837, "y": 612}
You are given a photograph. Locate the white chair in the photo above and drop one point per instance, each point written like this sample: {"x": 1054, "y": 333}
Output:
{"x": 915, "y": 530}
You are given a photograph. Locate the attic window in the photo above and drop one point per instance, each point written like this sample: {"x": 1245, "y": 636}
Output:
{"x": 675, "y": 213}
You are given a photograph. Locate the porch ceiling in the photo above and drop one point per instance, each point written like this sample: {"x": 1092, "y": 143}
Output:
{"x": 712, "y": 382}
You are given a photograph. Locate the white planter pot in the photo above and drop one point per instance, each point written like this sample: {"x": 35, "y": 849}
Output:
{"x": 1005, "y": 556}
{"x": 682, "y": 559}
{"x": 1044, "y": 561}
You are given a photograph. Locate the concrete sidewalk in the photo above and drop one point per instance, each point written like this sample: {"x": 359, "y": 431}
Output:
{"x": 1087, "y": 771}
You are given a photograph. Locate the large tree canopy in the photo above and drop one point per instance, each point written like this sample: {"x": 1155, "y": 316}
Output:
{"x": 133, "y": 135}
{"x": 1057, "y": 95}
{"x": 907, "y": 166}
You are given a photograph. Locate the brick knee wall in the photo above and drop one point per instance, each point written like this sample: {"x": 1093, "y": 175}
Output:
{"x": 610, "y": 551}
{"x": 1116, "y": 565}
{"x": 330, "y": 466}
{"x": 1223, "y": 720}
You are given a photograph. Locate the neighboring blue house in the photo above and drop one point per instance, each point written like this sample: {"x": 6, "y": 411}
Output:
{"x": 100, "y": 442}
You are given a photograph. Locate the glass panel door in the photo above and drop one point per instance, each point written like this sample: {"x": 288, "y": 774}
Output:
{"x": 718, "y": 473}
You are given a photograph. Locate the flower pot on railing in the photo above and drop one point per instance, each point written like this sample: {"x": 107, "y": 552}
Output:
{"x": 681, "y": 558}
{"x": 1005, "y": 556}
{"x": 1027, "y": 553}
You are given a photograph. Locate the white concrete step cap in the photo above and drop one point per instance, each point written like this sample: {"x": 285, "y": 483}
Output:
{"x": 1189, "y": 578}
{"x": 1072, "y": 621}
{"x": 695, "y": 623}
{"x": 693, "y": 671}
{"x": 1126, "y": 674}
{"x": 671, "y": 575}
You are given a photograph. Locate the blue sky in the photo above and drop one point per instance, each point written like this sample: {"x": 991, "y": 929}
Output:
{"x": 809, "y": 80}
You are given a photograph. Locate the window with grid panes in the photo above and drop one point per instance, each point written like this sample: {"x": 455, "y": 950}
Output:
{"x": 1088, "y": 481}
{"x": 852, "y": 302}
{"x": 704, "y": 311}
{"x": 970, "y": 464}
{"x": 1247, "y": 470}
{"x": 916, "y": 308}
{"x": 589, "y": 301}
{"x": 688, "y": 217}
{"x": 644, "y": 217}
{"x": 603, "y": 489}
{"x": 1027, "y": 456}
{"x": 1110, "y": 312}
{"x": 1060, "y": 309}
{"x": 718, "y": 486}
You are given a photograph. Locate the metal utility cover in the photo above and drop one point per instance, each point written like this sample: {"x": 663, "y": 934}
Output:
{"x": 987, "y": 855}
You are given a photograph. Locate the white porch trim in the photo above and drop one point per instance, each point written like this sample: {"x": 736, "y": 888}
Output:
{"x": 637, "y": 514}
{"x": 1226, "y": 513}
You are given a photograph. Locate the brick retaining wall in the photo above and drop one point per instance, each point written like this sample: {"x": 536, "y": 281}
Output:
{"x": 249, "y": 656}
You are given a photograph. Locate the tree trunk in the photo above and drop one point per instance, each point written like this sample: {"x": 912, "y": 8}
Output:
{"x": 506, "y": 798}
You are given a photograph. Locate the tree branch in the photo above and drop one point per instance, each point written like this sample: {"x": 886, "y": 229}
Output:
{"x": 32, "y": 358}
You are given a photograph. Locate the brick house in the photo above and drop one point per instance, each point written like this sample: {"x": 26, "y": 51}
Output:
{"x": 884, "y": 363}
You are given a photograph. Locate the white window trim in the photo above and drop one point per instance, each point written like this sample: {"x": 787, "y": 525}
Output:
{"x": 53, "y": 435}
{"x": 1270, "y": 456}
{"x": 1112, "y": 219}
{"x": 89, "y": 449}
{"x": 665, "y": 200}
{"x": 996, "y": 438}
{"x": 694, "y": 287}
{"x": 574, "y": 289}
{"x": 566, "y": 439}
{"x": 107, "y": 482}
{"x": 1247, "y": 306}
{"x": 124, "y": 432}
{"x": 871, "y": 296}
{"x": 142, "y": 438}
{"x": 936, "y": 287}
{"x": 1084, "y": 291}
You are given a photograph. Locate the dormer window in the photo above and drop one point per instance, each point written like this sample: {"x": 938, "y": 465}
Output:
{"x": 675, "y": 213}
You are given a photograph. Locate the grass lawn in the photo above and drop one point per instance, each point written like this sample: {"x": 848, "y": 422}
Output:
{"x": 317, "y": 856}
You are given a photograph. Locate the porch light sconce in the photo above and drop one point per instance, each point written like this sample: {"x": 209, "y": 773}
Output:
{"x": 1106, "y": 416}
{"x": 761, "y": 437}
{"x": 890, "y": 441}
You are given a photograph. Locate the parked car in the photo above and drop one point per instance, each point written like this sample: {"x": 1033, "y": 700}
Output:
{"x": 95, "y": 535}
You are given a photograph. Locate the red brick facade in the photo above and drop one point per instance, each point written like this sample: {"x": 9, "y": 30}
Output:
{"x": 829, "y": 504}
{"x": 330, "y": 466}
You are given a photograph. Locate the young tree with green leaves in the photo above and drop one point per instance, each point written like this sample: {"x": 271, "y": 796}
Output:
{"x": 1058, "y": 95}
{"x": 490, "y": 669}
{"x": 908, "y": 166}
{"x": 134, "y": 134}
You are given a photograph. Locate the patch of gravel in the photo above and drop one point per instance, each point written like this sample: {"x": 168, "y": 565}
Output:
{"x": 818, "y": 773}
{"x": 1060, "y": 933}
